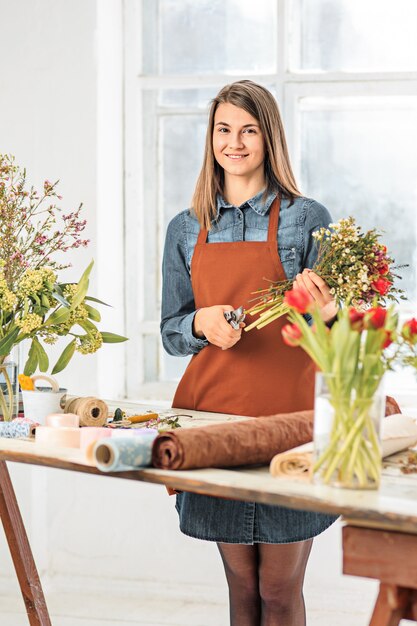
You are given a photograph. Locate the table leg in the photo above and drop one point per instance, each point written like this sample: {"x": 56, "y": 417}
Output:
{"x": 391, "y": 606}
{"x": 21, "y": 552}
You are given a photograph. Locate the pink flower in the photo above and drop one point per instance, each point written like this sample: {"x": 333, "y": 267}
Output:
{"x": 298, "y": 299}
{"x": 291, "y": 334}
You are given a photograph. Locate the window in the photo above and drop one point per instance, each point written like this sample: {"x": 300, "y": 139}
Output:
{"x": 345, "y": 76}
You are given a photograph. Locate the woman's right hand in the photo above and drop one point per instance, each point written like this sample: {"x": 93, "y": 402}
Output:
{"x": 209, "y": 322}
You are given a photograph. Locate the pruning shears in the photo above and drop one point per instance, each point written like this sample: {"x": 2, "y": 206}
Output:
{"x": 235, "y": 317}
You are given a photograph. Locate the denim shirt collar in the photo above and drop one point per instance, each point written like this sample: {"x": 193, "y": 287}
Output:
{"x": 256, "y": 203}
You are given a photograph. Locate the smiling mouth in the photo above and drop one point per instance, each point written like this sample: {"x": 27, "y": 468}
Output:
{"x": 236, "y": 157}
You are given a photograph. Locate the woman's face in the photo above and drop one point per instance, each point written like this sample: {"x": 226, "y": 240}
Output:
{"x": 238, "y": 143}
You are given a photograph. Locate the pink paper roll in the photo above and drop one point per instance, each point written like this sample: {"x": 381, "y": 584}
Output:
{"x": 58, "y": 420}
{"x": 89, "y": 434}
{"x": 65, "y": 436}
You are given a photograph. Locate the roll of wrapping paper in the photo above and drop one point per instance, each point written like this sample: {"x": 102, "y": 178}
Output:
{"x": 91, "y": 411}
{"x": 124, "y": 454}
{"x": 58, "y": 420}
{"x": 64, "y": 437}
{"x": 248, "y": 442}
{"x": 398, "y": 432}
{"x": 19, "y": 427}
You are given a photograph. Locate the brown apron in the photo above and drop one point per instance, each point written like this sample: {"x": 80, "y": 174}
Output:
{"x": 259, "y": 375}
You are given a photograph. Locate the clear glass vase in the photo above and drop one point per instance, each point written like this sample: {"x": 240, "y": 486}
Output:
{"x": 9, "y": 391}
{"x": 347, "y": 422}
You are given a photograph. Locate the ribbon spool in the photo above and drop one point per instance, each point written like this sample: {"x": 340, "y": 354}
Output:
{"x": 59, "y": 420}
{"x": 91, "y": 411}
{"x": 66, "y": 437}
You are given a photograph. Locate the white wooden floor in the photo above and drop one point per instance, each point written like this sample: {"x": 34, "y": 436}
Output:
{"x": 349, "y": 605}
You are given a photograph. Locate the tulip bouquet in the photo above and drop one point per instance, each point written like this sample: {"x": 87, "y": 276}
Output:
{"x": 355, "y": 266}
{"x": 353, "y": 359}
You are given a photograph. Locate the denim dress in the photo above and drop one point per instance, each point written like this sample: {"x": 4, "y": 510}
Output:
{"x": 207, "y": 517}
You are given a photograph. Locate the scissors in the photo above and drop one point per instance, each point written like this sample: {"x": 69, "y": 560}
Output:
{"x": 235, "y": 317}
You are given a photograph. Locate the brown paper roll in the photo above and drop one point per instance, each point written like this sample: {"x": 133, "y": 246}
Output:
{"x": 228, "y": 445}
{"x": 91, "y": 411}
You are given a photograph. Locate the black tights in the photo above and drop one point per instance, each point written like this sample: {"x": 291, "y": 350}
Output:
{"x": 266, "y": 583}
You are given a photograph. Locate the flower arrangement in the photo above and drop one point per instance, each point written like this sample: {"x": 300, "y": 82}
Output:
{"x": 352, "y": 356}
{"x": 34, "y": 304}
{"x": 355, "y": 266}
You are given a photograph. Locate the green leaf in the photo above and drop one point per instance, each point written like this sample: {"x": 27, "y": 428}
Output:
{"x": 7, "y": 343}
{"x": 32, "y": 360}
{"x": 65, "y": 358}
{"x": 88, "y": 326}
{"x": 112, "y": 338}
{"x": 42, "y": 356}
{"x": 57, "y": 296}
{"x": 96, "y": 300}
{"x": 93, "y": 314}
{"x": 58, "y": 317}
{"x": 82, "y": 287}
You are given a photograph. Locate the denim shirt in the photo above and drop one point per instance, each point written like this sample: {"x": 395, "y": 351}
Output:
{"x": 247, "y": 222}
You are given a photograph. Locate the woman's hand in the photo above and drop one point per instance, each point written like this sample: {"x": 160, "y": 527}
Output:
{"x": 209, "y": 322}
{"x": 320, "y": 292}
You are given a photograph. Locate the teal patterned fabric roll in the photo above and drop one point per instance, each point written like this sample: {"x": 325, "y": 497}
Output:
{"x": 124, "y": 453}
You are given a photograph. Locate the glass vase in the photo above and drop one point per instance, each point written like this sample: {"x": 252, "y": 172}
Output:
{"x": 347, "y": 422}
{"x": 9, "y": 391}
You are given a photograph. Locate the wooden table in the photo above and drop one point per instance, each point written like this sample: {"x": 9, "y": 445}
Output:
{"x": 379, "y": 538}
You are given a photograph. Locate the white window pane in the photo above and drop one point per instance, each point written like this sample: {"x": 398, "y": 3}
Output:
{"x": 182, "y": 140}
{"x": 359, "y": 158}
{"x": 210, "y": 36}
{"x": 355, "y": 35}
{"x": 189, "y": 98}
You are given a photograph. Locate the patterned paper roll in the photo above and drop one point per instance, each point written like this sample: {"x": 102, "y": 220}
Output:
{"x": 66, "y": 437}
{"x": 91, "y": 411}
{"x": 19, "y": 427}
{"x": 91, "y": 434}
{"x": 58, "y": 420}
{"x": 123, "y": 454}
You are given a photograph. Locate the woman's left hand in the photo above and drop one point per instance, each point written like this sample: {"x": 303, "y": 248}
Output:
{"x": 319, "y": 291}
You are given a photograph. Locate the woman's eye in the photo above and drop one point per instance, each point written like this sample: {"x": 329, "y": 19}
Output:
{"x": 223, "y": 129}
{"x": 250, "y": 130}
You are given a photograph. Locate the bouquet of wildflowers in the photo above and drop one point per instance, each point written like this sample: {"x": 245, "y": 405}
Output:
{"x": 352, "y": 355}
{"x": 355, "y": 266}
{"x": 34, "y": 304}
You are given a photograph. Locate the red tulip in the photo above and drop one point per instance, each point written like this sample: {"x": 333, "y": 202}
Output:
{"x": 291, "y": 334}
{"x": 381, "y": 285}
{"x": 356, "y": 319}
{"x": 387, "y": 339}
{"x": 409, "y": 330}
{"x": 375, "y": 318}
{"x": 298, "y": 299}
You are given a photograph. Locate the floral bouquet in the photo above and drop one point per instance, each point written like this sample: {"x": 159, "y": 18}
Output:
{"x": 353, "y": 359}
{"x": 354, "y": 265}
{"x": 34, "y": 304}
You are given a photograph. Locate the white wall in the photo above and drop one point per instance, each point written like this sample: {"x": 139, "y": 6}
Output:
{"x": 60, "y": 82}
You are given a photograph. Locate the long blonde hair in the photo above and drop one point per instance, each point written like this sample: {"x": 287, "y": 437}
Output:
{"x": 260, "y": 103}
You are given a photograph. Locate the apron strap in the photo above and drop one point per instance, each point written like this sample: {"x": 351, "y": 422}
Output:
{"x": 274, "y": 220}
{"x": 272, "y": 225}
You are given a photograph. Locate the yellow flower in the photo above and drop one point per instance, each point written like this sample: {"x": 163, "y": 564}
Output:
{"x": 26, "y": 383}
{"x": 30, "y": 283}
{"x": 31, "y": 322}
{"x": 90, "y": 343}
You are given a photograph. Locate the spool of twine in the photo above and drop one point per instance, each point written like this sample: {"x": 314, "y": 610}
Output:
{"x": 91, "y": 411}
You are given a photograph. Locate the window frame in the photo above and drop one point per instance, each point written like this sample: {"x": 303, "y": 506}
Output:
{"x": 144, "y": 234}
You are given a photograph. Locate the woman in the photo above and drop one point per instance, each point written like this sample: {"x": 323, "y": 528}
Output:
{"x": 248, "y": 221}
